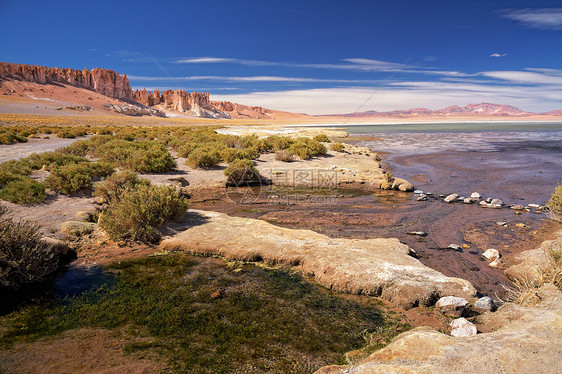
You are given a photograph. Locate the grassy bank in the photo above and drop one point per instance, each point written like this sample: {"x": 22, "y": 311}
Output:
{"x": 207, "y": 315}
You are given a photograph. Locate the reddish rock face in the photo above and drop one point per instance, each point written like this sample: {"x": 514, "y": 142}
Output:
{"x": 106, "y": 82}
{"x": 177, "y": 100}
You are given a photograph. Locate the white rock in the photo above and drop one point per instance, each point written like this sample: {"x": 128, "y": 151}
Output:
{"x": 463, "y": 328}
{"x": 484, "y": 304}
{"x": 452, "y": 197}
{"x": 501, "y": 223}
{"x": 456, "y": 247}
{"x": 491, "y": 254}
{"x": 418, "y": 191}
{"x": 483, "y": 203}
{"x": 455, "y": 301}
{"x": 534, "y": 205}
{"x": 496, "y": 263}
{"x": 496, "y": 202}
{"x": 468, "y": 200}
{"x": 475, "y": 195}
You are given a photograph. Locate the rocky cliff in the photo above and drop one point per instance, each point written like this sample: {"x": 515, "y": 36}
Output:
{"x": 194, "y": 103}
{"x": 103, "y": 81}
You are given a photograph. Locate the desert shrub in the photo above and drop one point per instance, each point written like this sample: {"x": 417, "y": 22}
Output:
{"x": 253, "y": 152}
{"x": 555, "y": 204}
{"x": 338, "y": 147}
{"x": 307, "y": 148}
{"x": 203, "y": 157}
{"x": 70, "y": 178}
{"x": 185, "y": 149}
{"x": 240, "y": 172}
{"x": 231, "y": 154}
{"x": 284, "y": 156}
{"x": 9, "y": 137}
{"x": 23, "y": 190}
{"x": 141, "y": 156}
{"x": 138, "y": 212}
{"x": 24, "y": 257}
{"x": 322, "y": 138}
{"x": 71, "y": 132}
{"x": 116, "y": 183}
{"x": 53, "y": 159}
{"x": 279, "y": 142}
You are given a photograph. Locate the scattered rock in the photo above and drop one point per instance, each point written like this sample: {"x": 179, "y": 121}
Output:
{"x": 534, "y": 206}
{"x": 418, "y": 233}
{"x": 475, "y": 195}
{"x": 468, "y": 200}
{"x": 491, "y": 254}
{"x": 483, "y": 203}
{"x": 456, "y": 247}
{"x": 484, "y": 304}
{"x": 462, "y": 328}
{"x": 501, "y": 223}
{"x": 518, "y": 207}
{"x": 496, "y": 202}
{"x": 451, "y": 305}
{"x": 522, "y": 225}
{"x": 77, "y": 228}
{"x": 489, "y": 200}
{"x": 418, "y": 191}
{"x": 465, "y": 246}
{"x": 496, "y": 263}
{"x": 421, "y": 198}
{"x": 451, "y": 198}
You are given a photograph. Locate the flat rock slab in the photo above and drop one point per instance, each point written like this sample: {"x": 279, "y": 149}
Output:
{"x": 378, "y": 267}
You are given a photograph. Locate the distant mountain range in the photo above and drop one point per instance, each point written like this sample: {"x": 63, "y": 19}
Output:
{"x": 470, "y": 110}
{"x": 103, "y": 91}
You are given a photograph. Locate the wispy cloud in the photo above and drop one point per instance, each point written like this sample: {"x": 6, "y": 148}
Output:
{"x": 204, "y": 60}
{"x": 498, "y": 55}
{"x": 525, "y": 77}
{"x": 544, "y": 19}
{"x": 258, "y": 78}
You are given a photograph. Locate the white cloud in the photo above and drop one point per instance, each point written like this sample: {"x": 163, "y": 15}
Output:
{"x": 203, "y": 60}
{"x": 498, "y": 55}
{"x": 258, "y": 78}
{"x": 545, "y": 19}
{"x": 524, "y": 77}
{"x": 432, "y": 95}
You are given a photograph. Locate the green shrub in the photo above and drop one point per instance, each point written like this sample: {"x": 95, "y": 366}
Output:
{"x": 24, "y": 257}
{"x": 231, "y": 154}
{"x": 240, "y": 172}
{"x": 70, "y": 178}
{"x": 203, "y": 157}
{"x": 23, "y": 191}
{"x": 141, "y": 156}
{"x": 138, "y": 212}
{"x": 116, "y": 183}
{"x": 338, "y": 147}
{"x": 279, "y": 142}
{"x": 322, "y": 138}
{"x": 9, "y": 137}
{"x": 307, "y": 148}
{"x": 284, "y": 156}
{"x": 53, "y": 159}
{"x": 555, "y": 204}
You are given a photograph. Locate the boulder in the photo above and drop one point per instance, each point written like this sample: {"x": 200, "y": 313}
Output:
{"x": 381, "y": 267}
{"x": 463, "y": 328}
{"x": 451, "y": 305}
{"x": 527, "y": 341}
{"x": 491, "y": 254}
{"x": 483, "y": 304}
{"x": 77, "y": 228}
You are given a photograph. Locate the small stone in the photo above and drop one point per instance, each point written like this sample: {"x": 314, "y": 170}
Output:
{"x": 451, "y": 198}
{"x": 483, "y": 203}
{"x": 497, "y": 202}
{"x": 518, "y": 207}
{"x": 454, "y": 246}
{"x": 534, "y": 205}
{"x": 475, "y": 195}
{"x": 462, "y": 328}
{"x": 461, "y": 198}
{"x": 501, "y": 223}
{"x": 451, "y": 305}
{"x": 465, "y": 246}
{"x": 522, "y": 225}
{"x": 496, "y": 263}
{"x": 494, "y": 206}
{"x": 421, "y": 198}
{"x": 538, "y": 212}
{"x": 417, "y": 233}
{"x": 518, "y": 213}
{"x": 468, "y": 200}
{"x": 491, "y": 254}
{"x": 488, "y": 200}
{"x": 484, "y": 304}
{"x": 418, "y": 191}
{"x": 441, "y": 196}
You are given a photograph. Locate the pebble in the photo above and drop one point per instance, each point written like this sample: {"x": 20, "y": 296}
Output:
{"x": 501, "y": 223}
{"x": 454, "y": 246}
{"x": 462, "y": 328}
{"x": 451, "y": 305}
{"x": 497, "y": 202}
{"x": 534, "y": 205}
{"x": 518, "y": 207}
{"x": 468, "y": 200}
{"x": 483, "y": 203}
{"x": 418, "y": 233}
{"x": 422, "y": 198}
{"x": 465, "y": 246}
{"x": 496, "y": 263}
{"x": 475, "y": 195}
{"x": 484, "y": 304}
{"x": 522, "y": 225}
{"x": 451, "y": 198}
{"x": 418, "y": 191}
{"x": 491, "y": 254}
{"x": 489, "y": 200}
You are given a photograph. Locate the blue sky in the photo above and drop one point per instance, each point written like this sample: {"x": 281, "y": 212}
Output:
{"x": 316, "y": 57}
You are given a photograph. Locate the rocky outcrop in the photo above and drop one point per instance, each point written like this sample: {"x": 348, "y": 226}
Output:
{"x": 134, "y": 110}
{"x": 103, "y": 81}
{"x": 379, "y": 267}
{"x": 195, "y": 103}
{"x": 529, "y": 343}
